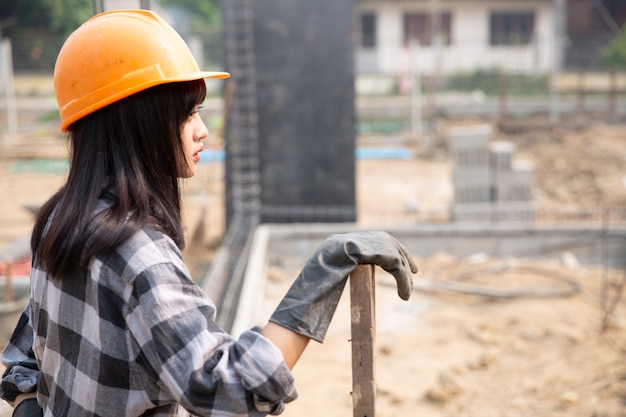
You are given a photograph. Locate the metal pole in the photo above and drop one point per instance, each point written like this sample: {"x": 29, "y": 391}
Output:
{"x": 6, "y": 76}
{"x": 557, "y": 59}
{"x": 436, "y": 44}
{"x": 98, "y": 6}
{"x": 416, "y": 90}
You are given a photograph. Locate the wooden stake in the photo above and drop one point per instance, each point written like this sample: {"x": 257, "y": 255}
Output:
{"x": 8, "y": 286}
{"x": 613, "y": 116}
{"x": 363, "y": 314}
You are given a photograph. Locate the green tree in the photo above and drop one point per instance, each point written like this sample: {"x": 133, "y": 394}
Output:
{"x": 37, "y": 29}
{"x": 614, "y": 54}
{"x": 54, "y": 17}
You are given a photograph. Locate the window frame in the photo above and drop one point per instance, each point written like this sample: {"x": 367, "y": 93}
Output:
{"x": 512, "y": 28}
{"x": 420, "y": 24}
{"x": 368, "y": 27}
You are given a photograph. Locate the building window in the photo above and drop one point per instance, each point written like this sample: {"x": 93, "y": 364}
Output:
{"x": 512, "y": 28}
{"x": 422, "y": 27}
{"x": 368, "y": 30}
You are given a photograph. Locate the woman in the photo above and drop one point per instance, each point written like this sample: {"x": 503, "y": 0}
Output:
{"x": 116, "y": 325}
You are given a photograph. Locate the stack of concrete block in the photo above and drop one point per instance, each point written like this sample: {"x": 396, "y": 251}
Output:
{"x": 470, "y": 170}
{"x": 489, "y": 182}
{"x": 515, "y": 184}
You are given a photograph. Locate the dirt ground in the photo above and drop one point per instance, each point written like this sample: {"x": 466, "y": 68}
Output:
{"x": 455, "y": 355}
{"x": 444, "y": 354}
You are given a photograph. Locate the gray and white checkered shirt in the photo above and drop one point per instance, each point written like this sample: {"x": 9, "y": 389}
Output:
{"x": 133, "y": 335}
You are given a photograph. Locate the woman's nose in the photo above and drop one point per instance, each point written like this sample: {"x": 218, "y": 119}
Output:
{"x": 201, "y": 130}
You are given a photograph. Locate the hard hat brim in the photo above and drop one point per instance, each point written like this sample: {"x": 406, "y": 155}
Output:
{"x": 70, "y": 113}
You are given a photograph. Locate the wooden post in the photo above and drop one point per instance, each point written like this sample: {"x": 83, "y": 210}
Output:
{"x": 580, "y": 90}
{"x": 503, "y": 90}
{"x": 613, "y": 116}
{"x": 8, "y": 286}
{"x": 363, "y": 314}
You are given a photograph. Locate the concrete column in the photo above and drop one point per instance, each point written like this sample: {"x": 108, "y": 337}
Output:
{"x": 6, "y": 78}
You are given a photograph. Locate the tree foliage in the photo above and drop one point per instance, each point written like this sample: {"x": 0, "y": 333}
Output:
{"x": 37, "y": 28}
{"x": 61, "y": 17}
{"x": 53, "y": 17}
{"x": 614, "y": 54}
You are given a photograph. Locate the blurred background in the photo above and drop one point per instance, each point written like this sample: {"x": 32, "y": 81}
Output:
{"x": 488, "y": 135}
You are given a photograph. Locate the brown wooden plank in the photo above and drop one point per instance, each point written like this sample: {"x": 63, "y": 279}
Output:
{"x": 363, "y": 327}
{"x": 8, "y": 290}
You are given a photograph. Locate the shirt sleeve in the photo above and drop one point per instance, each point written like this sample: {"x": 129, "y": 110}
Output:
{"x": 21, "y": 373}
{"x": 196, "y": 362}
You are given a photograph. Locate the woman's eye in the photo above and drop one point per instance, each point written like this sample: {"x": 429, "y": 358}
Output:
{"x": 195, "y": 111}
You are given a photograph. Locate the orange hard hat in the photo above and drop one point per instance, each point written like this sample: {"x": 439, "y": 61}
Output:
{"x": 116, "y": 54}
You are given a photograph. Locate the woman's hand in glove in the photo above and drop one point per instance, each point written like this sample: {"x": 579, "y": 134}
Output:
{"x": 310, "y": 303}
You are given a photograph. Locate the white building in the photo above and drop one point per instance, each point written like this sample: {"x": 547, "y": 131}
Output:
{"x": 399, "y": 36}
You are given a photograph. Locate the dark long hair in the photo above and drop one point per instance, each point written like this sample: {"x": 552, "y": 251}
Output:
{"x": 130, "y": 153}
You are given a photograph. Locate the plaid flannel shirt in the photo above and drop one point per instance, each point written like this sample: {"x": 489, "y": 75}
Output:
{"x": 133, "y": 335}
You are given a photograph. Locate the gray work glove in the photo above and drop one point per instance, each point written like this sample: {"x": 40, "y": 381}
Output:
{"x": 310, "y": 303}
{"x": 28, "y": 408}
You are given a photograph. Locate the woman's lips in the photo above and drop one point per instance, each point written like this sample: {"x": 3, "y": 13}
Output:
{"x": 196, "y": 156}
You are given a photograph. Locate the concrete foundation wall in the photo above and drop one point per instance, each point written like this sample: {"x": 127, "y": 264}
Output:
{"x": 292, "y": 245}
{"x": 590, "y": 244}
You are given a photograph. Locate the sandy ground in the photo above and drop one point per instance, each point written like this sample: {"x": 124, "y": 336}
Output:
{"x": 457, "y": 355}
{"x": 441, "y": 354}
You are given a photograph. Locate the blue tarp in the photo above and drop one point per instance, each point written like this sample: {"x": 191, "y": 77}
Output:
{"x": 385, "y": 152}
{"x": 48, "y": 166}
{"x": 59, "y": 166}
